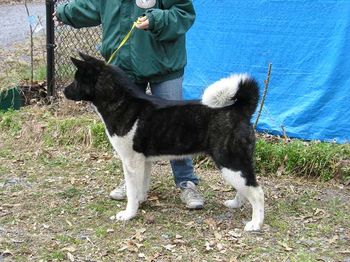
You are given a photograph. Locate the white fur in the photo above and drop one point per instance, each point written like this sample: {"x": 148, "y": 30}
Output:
{"x": 220, "y": 93}
{"x": 255, "y": 196}
{"x": 136, "y": 171}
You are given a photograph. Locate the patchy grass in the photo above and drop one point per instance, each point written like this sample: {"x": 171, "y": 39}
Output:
{"x": 56, "y": 172}
{"x": 313, "y": 159}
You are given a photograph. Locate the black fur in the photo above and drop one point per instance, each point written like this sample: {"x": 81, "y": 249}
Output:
{"x": 170, "y": 127}
{"x": 218, "y": 126}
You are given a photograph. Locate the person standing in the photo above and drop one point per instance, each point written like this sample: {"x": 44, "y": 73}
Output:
{"x": 154, "y": 57}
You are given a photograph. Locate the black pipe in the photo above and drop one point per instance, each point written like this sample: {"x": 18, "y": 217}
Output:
{"x": 50, "y": 47}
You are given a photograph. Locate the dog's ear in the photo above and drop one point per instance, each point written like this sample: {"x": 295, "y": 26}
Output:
{"x": 92, "y": 60}
{"x": 78, "y": 63}
{"x": 86, "y": 57}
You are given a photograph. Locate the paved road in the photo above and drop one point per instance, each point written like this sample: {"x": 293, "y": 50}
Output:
{"x": 14, "y": 25}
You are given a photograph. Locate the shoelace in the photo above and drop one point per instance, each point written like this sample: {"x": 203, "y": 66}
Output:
{"x": 191, "y": 193}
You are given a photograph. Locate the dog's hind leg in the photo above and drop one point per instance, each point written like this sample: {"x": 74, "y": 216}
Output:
{"x": 134, "y": 175}
{"x": 237, "y": 202}
{"x": 253, "y": 193}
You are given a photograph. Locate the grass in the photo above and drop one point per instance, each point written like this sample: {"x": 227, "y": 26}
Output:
{"x": 314, "y": 159}
{"x": 58, "y": 209}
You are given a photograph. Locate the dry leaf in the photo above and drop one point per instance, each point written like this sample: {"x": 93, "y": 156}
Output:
{"x": 217, "y": 235}
{"x": 169, "y": 247}
{"x": 70, "y": 257}
{"x": 234, "y": 234}
{"x": 7, "y": 253}
{"x": 210, "y": 222}
{"x": 139, "y": 235}
{"x": 209, "y": 245}
{"x": 319, "y": 211}
{"x": 110, "y": 230}
{"x": 190, "y": 224}
{"x": 333, "y": 239}
{"x": 219, "y": 246}
{"x": 70, "y": 249}
{"x": 68, "y": 222}
{"x": 286, "y": 247}
{"x": 178, "y": 241}
{"x": 122, "y": 248}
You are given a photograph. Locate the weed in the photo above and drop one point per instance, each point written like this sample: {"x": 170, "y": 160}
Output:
{"x": 10, "y": 122}
{"x": 56, "y": 255}
{"x": 70, "y": 192}
{"x": 66, "y": 239}
{"x": 101, "y": 232}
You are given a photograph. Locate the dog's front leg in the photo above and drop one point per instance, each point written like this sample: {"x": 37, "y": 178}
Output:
{"x": 133, "y": 178}
{"x": 146, "y": 182}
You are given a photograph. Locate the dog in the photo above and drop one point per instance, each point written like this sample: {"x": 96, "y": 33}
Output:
{"x": 143, "y": 128}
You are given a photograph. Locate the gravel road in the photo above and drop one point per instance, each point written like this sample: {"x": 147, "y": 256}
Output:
{"x": 14, "y": 24}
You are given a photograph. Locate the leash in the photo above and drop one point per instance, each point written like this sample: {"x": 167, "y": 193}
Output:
{"x": 125, "y": 39}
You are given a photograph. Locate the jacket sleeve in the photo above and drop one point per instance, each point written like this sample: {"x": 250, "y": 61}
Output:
{"x": 174, "y": 21}
{"x": 80, "y": 13}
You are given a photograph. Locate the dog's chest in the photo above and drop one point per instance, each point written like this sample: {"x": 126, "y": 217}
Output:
{"x": 123, "y": 145}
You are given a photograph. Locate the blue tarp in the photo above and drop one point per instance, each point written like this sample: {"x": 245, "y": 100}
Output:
{"x": 308, "y": 44}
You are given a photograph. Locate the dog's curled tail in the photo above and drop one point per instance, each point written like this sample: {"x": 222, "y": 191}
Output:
{"x": 239, "y": 90}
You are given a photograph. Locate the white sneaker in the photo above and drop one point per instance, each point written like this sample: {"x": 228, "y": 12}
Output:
{"x": 119, "y": 193}
{"x": 190, "y": 195}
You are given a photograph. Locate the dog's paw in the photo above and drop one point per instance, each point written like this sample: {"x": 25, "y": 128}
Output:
{"x": 252, "y": 226}
{"x": 232, "y": 203}
{"x": 124, "y": 215}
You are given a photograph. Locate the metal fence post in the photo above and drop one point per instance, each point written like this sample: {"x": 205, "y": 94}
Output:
{"x": 50, "y": 47}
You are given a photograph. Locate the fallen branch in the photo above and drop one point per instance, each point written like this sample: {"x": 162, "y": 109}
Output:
{"x": 266, "y": 82}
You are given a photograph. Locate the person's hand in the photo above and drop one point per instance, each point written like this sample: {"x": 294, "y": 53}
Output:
{"x": 142, "y": 23}
{"x": 56, "y": 21}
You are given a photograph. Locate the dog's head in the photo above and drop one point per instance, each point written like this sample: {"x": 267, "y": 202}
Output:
{"x": 86, "y": 78}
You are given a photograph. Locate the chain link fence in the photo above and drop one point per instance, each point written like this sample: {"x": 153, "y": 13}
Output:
{"x": 69, "y": 41}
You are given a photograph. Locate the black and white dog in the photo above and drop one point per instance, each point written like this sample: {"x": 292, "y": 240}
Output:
{"x": 143, "y": 128}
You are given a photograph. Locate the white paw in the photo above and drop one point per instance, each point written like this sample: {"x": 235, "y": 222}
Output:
{"x": 124, "y": 215}
{"x": 252, "y": 226}
{"x": 232, "y": 204}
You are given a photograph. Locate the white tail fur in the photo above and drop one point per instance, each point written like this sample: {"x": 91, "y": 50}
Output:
{"x": 222, "y": 92}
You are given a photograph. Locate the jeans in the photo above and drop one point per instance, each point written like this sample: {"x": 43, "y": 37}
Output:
{"x": 172, "y": 90}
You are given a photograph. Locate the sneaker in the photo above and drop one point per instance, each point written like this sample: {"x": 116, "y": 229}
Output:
{"x": 119, "y": 193}
{"x": 190, "y": 195}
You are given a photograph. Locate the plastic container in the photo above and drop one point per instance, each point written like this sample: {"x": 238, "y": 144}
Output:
{"x": 11, "y": 99}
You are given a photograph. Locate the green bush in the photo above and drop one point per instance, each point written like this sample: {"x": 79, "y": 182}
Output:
{"x": 300, "y": 158}
{"x": 74, "y": 131}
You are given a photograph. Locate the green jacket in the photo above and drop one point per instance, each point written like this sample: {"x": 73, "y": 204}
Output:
{"x": 154, "y": 55}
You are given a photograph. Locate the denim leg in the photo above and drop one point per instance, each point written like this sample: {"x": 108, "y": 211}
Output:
{"x": 183, "y": 171}
{"x": 183, "y": 168}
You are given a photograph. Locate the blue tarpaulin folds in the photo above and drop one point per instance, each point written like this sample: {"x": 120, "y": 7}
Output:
{"x": 308, "y": 44}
